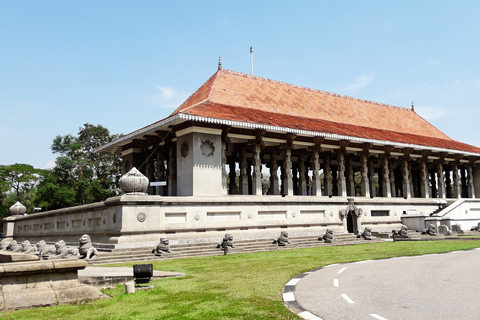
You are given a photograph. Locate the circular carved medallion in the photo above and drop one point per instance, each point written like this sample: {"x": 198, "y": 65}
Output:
{"x": 141, "y": 217}
{"x": 184, "y": 149}
{"x": 249, "y": 216}
{"x": 294, "y": 214}
{"x": 197, "y": 217}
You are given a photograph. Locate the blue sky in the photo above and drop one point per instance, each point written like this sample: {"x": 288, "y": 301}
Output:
{"x": 126, "y": 64}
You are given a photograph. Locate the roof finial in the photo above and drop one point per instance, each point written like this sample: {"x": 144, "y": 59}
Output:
{"x": 219, "y": 63}
{"x": 413, "y": 108}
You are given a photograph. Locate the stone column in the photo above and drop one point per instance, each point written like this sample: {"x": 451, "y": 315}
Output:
{"x": 350, "y": 178}
{"x": 470, "y": 184}
{"x": 373, "y": 189}
{"x": 434, "y": 184}
{"x": 257, "y": 171}
{"x": 341, "y": 183}
{"x": 393, "y": 187}
{"x": 316, "y": 188}
{"x": 406, "y": 180}
{"x": 295, "y": 178}
{"x": 302, "y": 175}
{"x": 440, "y": 180}
{"x": 365, "y": 183}
{"x": 328, "y": 176}
{"x": 424, "y": 185}
{"x": 243, "y": 183}
{"x": 448, "y": 184}
{"x": 172, "y": 171}
{"x": 387, "y": 191}
{"x": 287, "y": 166}
{"x": 457, "y": 190}
{"x": 161, "y": 170}
{"x": 463, "y": 180}
{"x": 224, "y": 169}
{"x": 274, "y": 186}
{"x": 232, "y": 187}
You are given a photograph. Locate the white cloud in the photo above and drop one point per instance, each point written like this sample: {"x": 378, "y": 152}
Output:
{"x": 50, "y": 164}
{"x": 359, "y": 83}
{"x": 431, "y": 112}
{"x": 167, "y": 97}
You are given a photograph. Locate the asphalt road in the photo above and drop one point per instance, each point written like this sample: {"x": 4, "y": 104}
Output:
{"x": 439, "y": 286}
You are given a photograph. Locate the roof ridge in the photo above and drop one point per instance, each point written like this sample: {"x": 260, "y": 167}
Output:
{"x": 314, "y": 90}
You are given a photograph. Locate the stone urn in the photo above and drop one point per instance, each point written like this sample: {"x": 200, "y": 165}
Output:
{"x": 17, "y": 209}
{"x": 134, "y": 182}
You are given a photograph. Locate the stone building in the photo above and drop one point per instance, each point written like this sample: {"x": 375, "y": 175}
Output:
{"x": 254, "y": 157}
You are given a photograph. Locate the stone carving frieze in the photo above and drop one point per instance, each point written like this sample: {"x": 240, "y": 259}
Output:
{"x": 207, "y": 148}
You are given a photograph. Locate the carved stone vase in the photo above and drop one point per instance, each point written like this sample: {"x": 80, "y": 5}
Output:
{"x": 134, "y": 182}
{"x": 17, "y": 209}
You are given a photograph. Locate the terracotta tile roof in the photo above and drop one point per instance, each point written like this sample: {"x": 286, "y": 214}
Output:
{"x": 233, "y": 113}
{"x": 254, "y": 94}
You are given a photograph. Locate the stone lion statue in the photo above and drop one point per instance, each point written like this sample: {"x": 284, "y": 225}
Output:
{"x": 43, "y": 249}
{"x": 403, "y": 232}
{"x": 283, "y": 239}
{"x": 62, "y": 251}
{"x": 431, "y": 230}
{"x": 14, "y": 246}
{"x": 477, "y": 228}
{"x": 162, "y": 247}
{"x": 3, "y": 244}
{"x": 27, "y": 247}
{"x": 86, "y": 249}
{"x": 328, "y": 236}
{"x": 227, "y": 241}
{"x": 366, "y": 234}
{"x": 457, "y": 228}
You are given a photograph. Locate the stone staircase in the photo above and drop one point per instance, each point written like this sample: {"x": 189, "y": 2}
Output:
{"x": 210, "y": 249}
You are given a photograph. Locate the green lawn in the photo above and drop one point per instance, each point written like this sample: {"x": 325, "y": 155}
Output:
{"x": 241, "y": 286}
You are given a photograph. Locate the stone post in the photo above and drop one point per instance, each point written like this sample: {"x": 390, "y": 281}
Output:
{"x": 457, "y": 190}
{"x": 287, "y": 166}
{"x": 274, "y": 187}
{"x": 448, "y": 183}
{"x": 243, "y": 171}
{"x": 341, "y": 183}
{"x": 387, "y": 191}
{"x": 440, "y": 180}
{"x": 424, "y": 185}
{"x": 406, "y": 179}
{"x": 302, "y": 175}
{"x": 328, "y": 175}
{"x": 257, "y": 171}
{"x": 373, "y": 189}
{"x": 232, "y": 187}
{"x": 365, "y": 183}
{"x": 350, "y": 178}
{"x": 470, "y": 184}
{"x": 316, "y": 188}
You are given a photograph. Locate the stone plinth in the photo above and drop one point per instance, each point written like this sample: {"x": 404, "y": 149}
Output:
{"x": 30, "y": 284}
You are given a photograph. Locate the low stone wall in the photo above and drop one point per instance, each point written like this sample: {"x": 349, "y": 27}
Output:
{"x": 134, "y": 220}
{"x": 29, "y": 284}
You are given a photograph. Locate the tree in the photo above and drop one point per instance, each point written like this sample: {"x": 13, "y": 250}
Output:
{"x": 80, "y": 175}
{"x": 17, "y": 183}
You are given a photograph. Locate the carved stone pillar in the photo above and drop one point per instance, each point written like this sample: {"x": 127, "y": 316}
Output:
{"x": 457, "y": 189}
{"x": 406, "y": 179}
{"x": 470, "y": 184}
{"x": 274, "y": 186}
{"x": 224, "y": 169}
{"x": 341, "y": 183}
{"x": 232, "y": 186}
{"x": 350, "y": 178}
{"x": 371, "y": 173}
{"x": 424, "y": 185}
{"x": 172, "y": 170}
{"x": 243, "y": 183}
{"x": 295, "y": 178}
{"x": 257, "y": 171}
{"x": 328, "y": 175}
{"x": 433, "y": 184}
{"x": 440, "y": 180}
{"x": 392, "y": 179}
{"x": 287, "y": 167}
{"x": 448, "y": 184}
{"x": 463, "y": 179}
{"x": 387, "y": 191}
{"x": 316, "y": 188}
{"x": 302, "y": 184}
{"x": 365, "y": 183}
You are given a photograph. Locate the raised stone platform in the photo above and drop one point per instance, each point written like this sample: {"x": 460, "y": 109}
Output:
{"x": 28, "y": 284}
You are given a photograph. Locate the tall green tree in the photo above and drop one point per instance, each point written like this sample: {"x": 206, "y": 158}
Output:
{"x": 17, "y": 183}
{"x": 80, "y": 175}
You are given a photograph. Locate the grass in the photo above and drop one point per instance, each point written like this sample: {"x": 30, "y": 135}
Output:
{"x": 241, "y": 286}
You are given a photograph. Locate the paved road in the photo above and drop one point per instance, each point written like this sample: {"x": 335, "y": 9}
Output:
{"x": 440, "y": 286}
